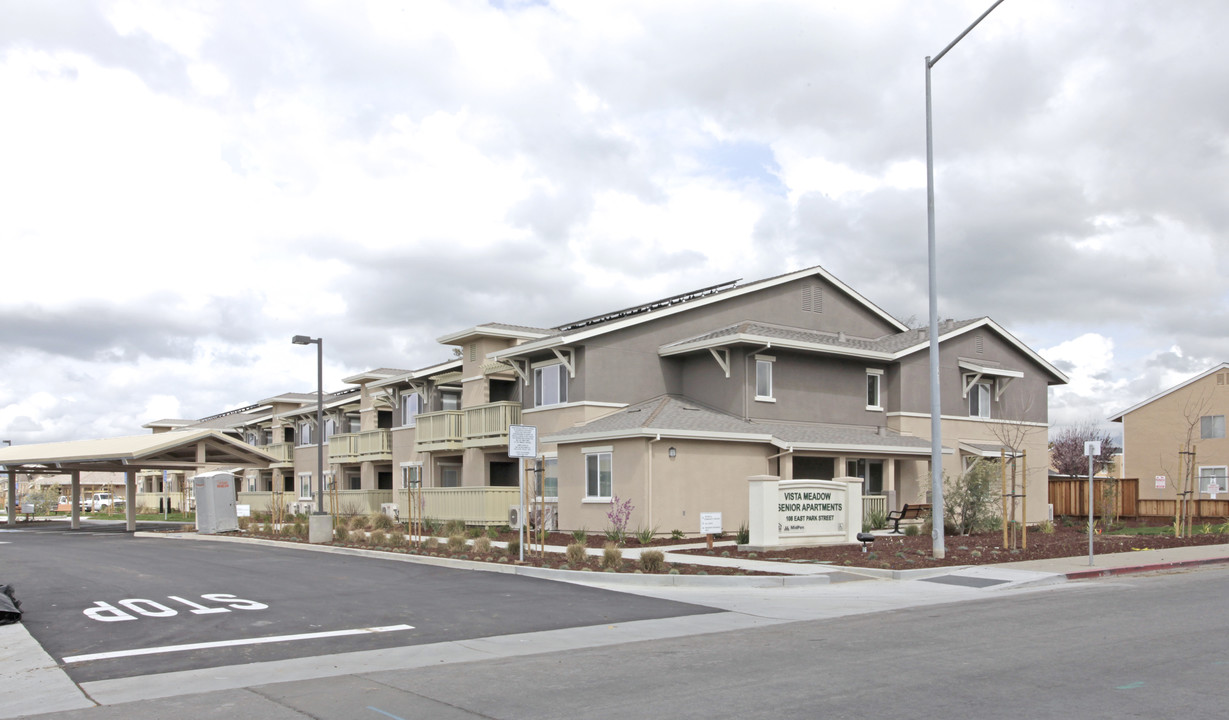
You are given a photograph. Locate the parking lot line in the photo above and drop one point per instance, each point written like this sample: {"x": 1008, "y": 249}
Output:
{"x": 232, "y": 643}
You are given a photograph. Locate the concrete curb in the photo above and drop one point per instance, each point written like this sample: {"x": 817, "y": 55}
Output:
{"x": 571, "y": 576}
{"x": 1131, "y": 569}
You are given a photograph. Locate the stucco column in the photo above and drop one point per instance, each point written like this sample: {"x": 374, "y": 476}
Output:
{"x": 10, "y": 502}
{"x": 762, "y": 510}
{"x": 74, "y": 498}
{"x": 130, "y": 499}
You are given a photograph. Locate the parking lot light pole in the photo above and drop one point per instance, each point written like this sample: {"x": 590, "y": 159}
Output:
{"x": 319, "y": 343}
{"x": 936, "y": 431}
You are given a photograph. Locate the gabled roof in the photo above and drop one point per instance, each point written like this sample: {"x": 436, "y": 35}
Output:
{"x": 887, "y": 348}
{"x": 602, "y": 324}
{"x": 373, "y": 375}
{"x": 423, "y": 373}
{"x": 672, "y": 416}
{"x": 499, "y": 330}
{"x": 1217, "y": 368}
{"x": 175, "y": 449}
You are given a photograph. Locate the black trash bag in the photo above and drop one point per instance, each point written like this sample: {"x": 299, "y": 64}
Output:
{"x": 10, "y": 607}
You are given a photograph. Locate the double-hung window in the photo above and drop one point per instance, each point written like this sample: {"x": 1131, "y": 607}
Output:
{"x": 550, "y": 477}
{"x": 305, "y": 486}
{"x": 550, "y": 385}
{"x": 305, "y": 433}
{"x": 874, "y": 379}
{"x": 598, "y": 476}
{"x": 1211, "y": 427}
{"x": 1218, "y": 475}
{"x": 763, "y": 378}
{"x": 411, "y": 406}
{"x": 979, "y": 400}
{"x": 411, "y": 476}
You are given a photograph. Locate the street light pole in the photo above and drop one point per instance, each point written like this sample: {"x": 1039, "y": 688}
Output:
{"x": 319, "y": 343}
{"x": 936, "y": 430}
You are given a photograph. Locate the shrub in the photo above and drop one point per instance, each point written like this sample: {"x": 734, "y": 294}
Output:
{"x": 244, "y": 522}
{"x": 514, "y": 548}
{"x": 358, "y": 522}
{"x": 300, "y": 530}
{"x": 576, "y": 554}
{"x": 645, "y": 535}
{"x": 492, "y": 532}
{"x": 396, "y": 538}
{"x": 429, "y": 526}
{"x": 432, "y": 544}
{"x": 475, "y": 532}
{"x": 482, "y": 545}
{"x": 342, "y": 533}
{"x": 912, "y": 530}
{"x": 454, "y": 527}
{"x": 744, "y": 534}
{"x": 378, "y": 538}
{"x": 380, "y": 521}
{"x": 619, "y": 514}
{"x": 969, "y": 500}
{"x": 1045, "y": 527}
{"x": 612, "y": 556}
{"x": 652, "y": 561}
{"x": 456, "y": 542}
{"x": 582, "y": 535}
{"x": 287, "y": 530}
{"x": 676, "y": 534}
{"x": 877, "y": 519}
{"x": 358, "y": 538}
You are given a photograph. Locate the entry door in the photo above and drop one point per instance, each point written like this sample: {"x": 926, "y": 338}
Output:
{"x": 869, "y": 470}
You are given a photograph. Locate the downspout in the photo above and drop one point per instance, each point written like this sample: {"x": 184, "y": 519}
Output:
{"x": 648, "y": 481}
{"x": 747, "y": 380}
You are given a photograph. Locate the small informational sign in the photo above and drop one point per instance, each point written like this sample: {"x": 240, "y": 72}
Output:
{"x": 522, "y": 441}
{"x": 1160, "y": 482}
{"x": 710, "y": 523}
{"x": 243, "y": 511}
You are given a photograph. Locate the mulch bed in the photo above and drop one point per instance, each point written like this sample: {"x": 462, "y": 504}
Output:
{"x": 905, "y": 553}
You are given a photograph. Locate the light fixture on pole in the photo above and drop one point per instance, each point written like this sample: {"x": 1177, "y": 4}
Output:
{"x": 319, "y": 343}
{"x": 936, "y": 436}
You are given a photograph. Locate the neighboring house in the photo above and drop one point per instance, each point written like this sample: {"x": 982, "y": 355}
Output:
{"x": 671, "y": 405}
{"x": 1189, "y": 416}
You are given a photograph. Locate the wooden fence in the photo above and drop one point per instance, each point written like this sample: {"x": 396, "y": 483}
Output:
{"x": 1069, "y": 496}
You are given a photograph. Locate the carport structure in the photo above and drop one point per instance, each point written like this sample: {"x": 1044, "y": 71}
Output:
{"x": 176, "y": 450}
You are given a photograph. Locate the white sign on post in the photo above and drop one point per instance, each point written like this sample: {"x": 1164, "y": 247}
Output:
{"x": 1160, "y": 482}
{"x": 1092, "y": 448}
{"x": 522, "y": 441}
{"x": 710, "y": 523}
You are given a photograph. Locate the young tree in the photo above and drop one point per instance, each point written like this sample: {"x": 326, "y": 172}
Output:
{"x": 1067, "y": 449}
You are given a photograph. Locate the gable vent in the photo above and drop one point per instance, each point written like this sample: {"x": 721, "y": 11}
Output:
{"x": 812, "y": 297}
{"x": 981, "y": 347}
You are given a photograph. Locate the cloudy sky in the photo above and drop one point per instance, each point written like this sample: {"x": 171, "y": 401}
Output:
{"x": 183, "y": 186}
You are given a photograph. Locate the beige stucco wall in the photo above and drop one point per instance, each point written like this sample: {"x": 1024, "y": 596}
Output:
{"x": 1153, "y": 435}
{"x": 1033, "y": 438}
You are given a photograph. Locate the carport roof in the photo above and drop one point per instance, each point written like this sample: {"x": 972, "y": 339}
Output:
{"x": 172, "y": 450}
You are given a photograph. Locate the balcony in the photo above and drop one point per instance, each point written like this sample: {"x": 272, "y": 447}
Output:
{"x": 372, "y": 445}
{"x": 487, "y": 425}
{"x": 442, "y": 430}
{"x": 284, "y": 452}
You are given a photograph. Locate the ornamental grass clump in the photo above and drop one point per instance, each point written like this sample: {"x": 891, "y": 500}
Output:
{"x": 482, "y": 545}
{"x": 380, "y": 521}
{"x": 456, "y": 543}
{"x": 1045, "y": 527}
{"x": 514, "y": 548}
{"x": 612, "y": 557}
{"x": 652, "y": 561}
{"x": 576, "y": 554}
{"x": 342, "y": 533}
{"x": 431, "y": 544}
{"x": 396, "y": 539}
{"x": 582, "y": 536}
{"x": 378, "y": 538}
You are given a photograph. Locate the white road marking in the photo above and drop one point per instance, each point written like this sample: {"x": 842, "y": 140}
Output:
{"x": 232, "y": 643}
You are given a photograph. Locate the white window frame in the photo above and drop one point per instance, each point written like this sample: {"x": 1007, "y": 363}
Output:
{"x": 306, "y": 487}
{"x": 874, "y": 379}
{"x": 411, "y": 406}
{"x": 595, "y": 458}
{"x": 1221, "y": 473}
{"x": 764, "y": 363}
{"x": 980, "y": 393}
{"x": 540, "y": 373}
{"x": 330, "y": 428}
{"x": 411, "y": 473}
{"x": 306, "y": 435}
{"x": 549, "y": 459}
{"x": 1204, "y": 435}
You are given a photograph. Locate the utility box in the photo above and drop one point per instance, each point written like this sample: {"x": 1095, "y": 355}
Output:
{"x": 215, "y": 503}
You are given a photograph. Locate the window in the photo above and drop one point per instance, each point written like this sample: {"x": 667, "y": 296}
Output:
{"x": 305, "y": 486}
{"x": 411, "y": 405}
{"x": 1210, "y": 475}
{"x": 305, "y": 433}
{"x": 450, "y": 475}
{"x": 411, "y": 476}
{"x": 450, "y": 400}
{"x": 979, "y": 400}
{"x": 763, "y": 378}
{"x": 330, "y": 428}
{"x": 873, "y": 378}
{"x": 1212, "y": 427}
{"x": 597, "y": 476}
{"x": 550, "y": 477}
{"x": 550, "y": 385}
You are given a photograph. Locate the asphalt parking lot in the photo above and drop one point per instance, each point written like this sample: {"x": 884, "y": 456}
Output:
{"x": 108, "y": 605}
